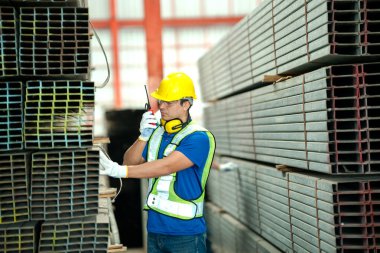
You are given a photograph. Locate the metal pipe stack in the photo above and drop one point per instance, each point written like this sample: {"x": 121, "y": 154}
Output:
{"x": 11, "y": 117}
{"x": 54, "y": 41}
{"x": 290, "y": 38}
{"x": 14, "y": 199}
{"x": 237, "y": 238}
{"x": 326, "y": 120}
{"x": 298, "y": 211}
{"x": 59, "y": 114}
{"x": 321, "y": 124}
{"x": 8, "y": 58}
{"x": 50, "y": 170}
{"x": 20, "y": 237}
{"x": 89, "y": 234}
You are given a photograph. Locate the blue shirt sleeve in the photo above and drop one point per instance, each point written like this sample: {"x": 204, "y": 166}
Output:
{"x": 145, "y": 152}
{"x": 195, "y": 147}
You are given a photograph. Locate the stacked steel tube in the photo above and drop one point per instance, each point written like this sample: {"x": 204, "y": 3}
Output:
{"x": 237, "y": 238}
{"x": 321, "y": 123}
{"x": 88, "y": 234}
{"x": 326, "y": 120}
{"x": 14, "y": 204}
{"x": 11, "y": 116}
{"x": 300, "y": 212}
{"x": 8, "y": 58}
{"x": 49, "y": 169}
{"x": 289, "y": 38}
{"x": 59, "y": 114}
{"x": 19, "y": 237}
{"x": 54, "y": 41}
{"x": 64, "y": 184}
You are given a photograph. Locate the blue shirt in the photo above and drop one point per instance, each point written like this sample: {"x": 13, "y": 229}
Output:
{"x": 187, "y": 186}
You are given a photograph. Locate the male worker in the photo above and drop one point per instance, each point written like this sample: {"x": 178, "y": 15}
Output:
{"x": 176, "y": 156}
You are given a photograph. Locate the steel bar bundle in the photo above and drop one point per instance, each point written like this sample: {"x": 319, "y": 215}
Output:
{"x": 300, "y": 212}
{"x": 89, "y": 234}
{"x": 327, "y": 120}
{"x": 58, "y": 114}
{"x": 290, "y": 38}
{"x": 14, "y": 204}
{"x": 216, "y": 120}
{"x": 330, "y": 213}
{"x": 64, "y": 184}
{"x": 259, "y": 193}
{"x": 11, "y": 116}
{"x": 49, "y": 2}
{"x": 227, "y": 234}
{"x": 18, "y": 237}
{"x": 54, "y": 41}
{"x": 8, "y": 43}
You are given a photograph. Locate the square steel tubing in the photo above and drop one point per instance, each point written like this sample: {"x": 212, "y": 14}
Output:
{"x": 8, "y": 43}
{"x": 327, "y": 212}
{"x": 19, "y": 237}
{"x": 47, "y": 2}
{"x": 89, "y": 234}
{"x": 11, "y": 116}
{"x": 54, "y": 41}
{"x": 336, "y": 135}
{"x": 14, "y": 204}
{"x": 59, "y": 114}
{"x": 229, "y": 235}
{"x": 326, "y": 31}
{"x": 64, "y": 184}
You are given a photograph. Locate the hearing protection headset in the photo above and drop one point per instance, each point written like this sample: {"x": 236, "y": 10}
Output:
{"x": 173, "y": 126}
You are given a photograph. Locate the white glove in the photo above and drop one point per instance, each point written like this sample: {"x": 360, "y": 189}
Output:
{"x": 110, "y": 168}
{"x": 228, "y": 166}
{"x": 147, "y": 125}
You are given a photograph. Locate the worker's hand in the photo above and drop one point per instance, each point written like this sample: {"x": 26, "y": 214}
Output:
{"x": 228, "y": 166}
{"x": 147, "y": 125}
{"x": 110, "y": 168}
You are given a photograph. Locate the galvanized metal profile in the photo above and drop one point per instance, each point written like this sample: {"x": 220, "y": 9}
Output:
{"x": 310, "y": 212}
{"x": 76, "y": 235}
{"x": 8, "y": 43}
{"x": 18, "y": 237}
{"x": 54, "y": 41}
{"x": 64, "y": 184}
{"x": 45, "y": 2}
{"x": 326, "y": 121}
{"x": 229, "y": 235}
{"x": 11, "y": 116}
{"x": 14, "y": 203}
{"x": 318, "y": 33}
{"x": 59, "y": 114}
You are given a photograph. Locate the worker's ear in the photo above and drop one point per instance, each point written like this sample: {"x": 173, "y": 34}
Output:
{"x": 185, "y": 104}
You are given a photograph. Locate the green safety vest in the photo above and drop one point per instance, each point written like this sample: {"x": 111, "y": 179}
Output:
{"x": 161, "y": 195}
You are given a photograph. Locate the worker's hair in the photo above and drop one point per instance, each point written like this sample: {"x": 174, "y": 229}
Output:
{"x": 183, "y": 100}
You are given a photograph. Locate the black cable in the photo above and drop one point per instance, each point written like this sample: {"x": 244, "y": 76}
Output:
{"x": 105, "y": 56}
{"x": 121, "y": 181}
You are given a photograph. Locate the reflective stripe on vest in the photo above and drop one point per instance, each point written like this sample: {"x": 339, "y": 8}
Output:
{"x": 161, "y": 195}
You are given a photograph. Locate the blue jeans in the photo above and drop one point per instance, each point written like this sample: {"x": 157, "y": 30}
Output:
{"x": 158, "y": 243}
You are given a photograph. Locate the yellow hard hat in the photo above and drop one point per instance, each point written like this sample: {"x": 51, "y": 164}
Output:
{"x": 175, "y": 86}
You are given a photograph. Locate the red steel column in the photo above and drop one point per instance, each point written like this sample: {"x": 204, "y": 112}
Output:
{"x": 115, "y": 55}
{"x": 153, "y": 35}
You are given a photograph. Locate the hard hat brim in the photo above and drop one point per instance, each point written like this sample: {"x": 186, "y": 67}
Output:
{"x": 159, "y": 97}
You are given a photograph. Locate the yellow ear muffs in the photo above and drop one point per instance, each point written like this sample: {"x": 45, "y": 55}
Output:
{"x": 172, "y": 126}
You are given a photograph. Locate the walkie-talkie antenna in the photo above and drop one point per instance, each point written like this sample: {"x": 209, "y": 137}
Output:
{"x": 147, "y": 105}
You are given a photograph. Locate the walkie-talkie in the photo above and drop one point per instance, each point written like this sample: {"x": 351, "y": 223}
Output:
{"x": 147, "y": 105}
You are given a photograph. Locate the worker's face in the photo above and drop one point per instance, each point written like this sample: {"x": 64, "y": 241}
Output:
{"x": 173, "y": 110}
